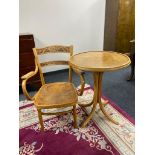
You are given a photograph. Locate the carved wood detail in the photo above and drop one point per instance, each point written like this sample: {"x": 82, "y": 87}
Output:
{"x": 53, "y": 49}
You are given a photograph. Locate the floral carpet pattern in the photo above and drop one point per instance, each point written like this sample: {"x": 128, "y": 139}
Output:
{"x": 99, "y": 137}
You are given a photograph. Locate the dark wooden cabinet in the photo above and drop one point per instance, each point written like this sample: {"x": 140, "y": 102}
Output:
{"x": 26, "y": 59}
{"x": 119, "y": 25}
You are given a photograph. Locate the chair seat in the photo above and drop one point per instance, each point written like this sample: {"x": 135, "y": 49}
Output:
{"x": 56, "y": 95}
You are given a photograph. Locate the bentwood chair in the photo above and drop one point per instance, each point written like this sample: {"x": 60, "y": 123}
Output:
{"x": 58, "y": 94}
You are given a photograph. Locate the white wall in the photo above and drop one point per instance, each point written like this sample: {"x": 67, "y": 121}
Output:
{"x": 76, "y": 22}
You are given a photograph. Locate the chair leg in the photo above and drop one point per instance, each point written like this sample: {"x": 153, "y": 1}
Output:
{"x": 75, "y": 117}
{"x": 40, "y": 119}
{"x": 132, "y": 67}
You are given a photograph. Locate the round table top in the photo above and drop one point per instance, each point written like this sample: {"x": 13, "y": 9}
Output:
{"x": 99, "y": 61}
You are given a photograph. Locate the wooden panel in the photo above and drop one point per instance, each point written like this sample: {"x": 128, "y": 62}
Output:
{"x": 25, "y": 70}
{"x": 26, "y": 58}
{"x": 110, "y": 24}
{"x": 126, "y": 25}
{"x": 26, "y": 43}
{"x": 119, "y": 25}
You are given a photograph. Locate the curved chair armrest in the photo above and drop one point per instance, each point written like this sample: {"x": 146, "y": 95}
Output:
{"x": 82, "y": 79}
{"x": 24, "y": 80}
{"x": 28, "y": 75}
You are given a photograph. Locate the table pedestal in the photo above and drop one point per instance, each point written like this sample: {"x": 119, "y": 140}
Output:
{"x": 97, "y": 99}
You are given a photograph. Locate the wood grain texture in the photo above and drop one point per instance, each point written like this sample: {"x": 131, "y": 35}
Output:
{"x": 53, "y": 95}
{"x": 99, "y": 61}
{"x": 126, "y": 25}
{"x": 43, "y": 64}
{"x": 110, "y": 28}
{"x": 56, "y": 95}
{"x": 119, "y": 25}
{"x": 54, "y": 49}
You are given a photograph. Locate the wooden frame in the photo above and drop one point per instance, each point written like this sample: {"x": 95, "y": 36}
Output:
{"x": 35, "y": 98}
{"x": 98, "y": 62}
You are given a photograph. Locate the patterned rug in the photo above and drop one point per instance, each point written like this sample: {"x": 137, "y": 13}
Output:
{"x": 99, "y": 137}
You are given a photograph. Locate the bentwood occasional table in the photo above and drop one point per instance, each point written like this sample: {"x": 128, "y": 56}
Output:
{"x": 98, "y": 62}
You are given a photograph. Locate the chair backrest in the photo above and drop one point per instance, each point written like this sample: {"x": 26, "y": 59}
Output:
{"x": 54, "y": 49}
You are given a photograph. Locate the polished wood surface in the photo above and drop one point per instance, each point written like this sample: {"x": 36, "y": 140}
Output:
{"x": 56, "y": 95}
{"x": 99, "y": 61}
{"x": 126, "y": 25}
{"x": 53, "y": 95}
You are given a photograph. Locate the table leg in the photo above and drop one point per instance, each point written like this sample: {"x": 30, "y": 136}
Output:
{"x": 95, "y": 99}
{"x": 102, "y": 105}
{"x": 100, "y": 90}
